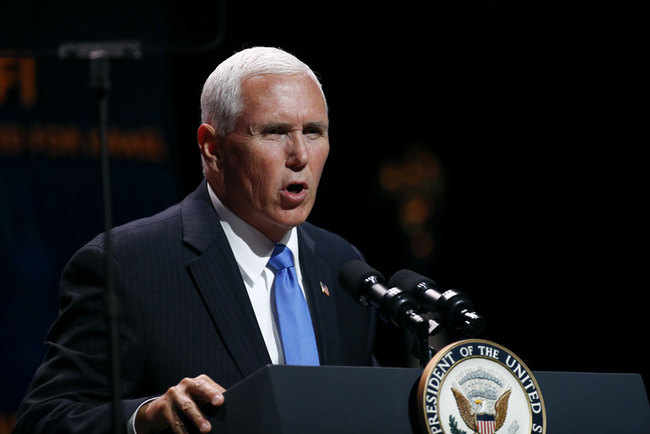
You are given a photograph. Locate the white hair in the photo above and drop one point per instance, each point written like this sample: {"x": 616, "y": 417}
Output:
{"x": 221, "y": 99}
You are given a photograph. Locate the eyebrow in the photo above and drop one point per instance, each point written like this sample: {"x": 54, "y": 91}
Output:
{"x": 323, "y": 126}
{"x": 284, "y": 126}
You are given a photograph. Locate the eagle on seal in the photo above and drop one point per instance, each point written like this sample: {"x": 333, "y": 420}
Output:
{"x": 476, "y": 419}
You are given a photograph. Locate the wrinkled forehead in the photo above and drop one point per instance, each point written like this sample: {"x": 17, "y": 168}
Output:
{"x": 289, "y": 99}
{"x": 272, "y": 79}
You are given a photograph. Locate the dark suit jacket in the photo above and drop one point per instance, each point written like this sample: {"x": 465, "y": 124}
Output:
{"x": 185, "y": 312}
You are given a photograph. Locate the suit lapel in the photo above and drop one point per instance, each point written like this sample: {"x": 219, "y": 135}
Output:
{"x": 317, "y": 276}
{"x": 217, "y": 277}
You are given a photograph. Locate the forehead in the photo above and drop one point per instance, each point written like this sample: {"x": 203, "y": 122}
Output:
{"x": 275, "y": 93}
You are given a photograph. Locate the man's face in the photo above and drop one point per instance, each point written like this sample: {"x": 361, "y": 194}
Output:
{"x": 270, "y": 165}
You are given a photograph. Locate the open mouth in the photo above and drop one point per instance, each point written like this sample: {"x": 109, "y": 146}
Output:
{"x": 295, "y": 188}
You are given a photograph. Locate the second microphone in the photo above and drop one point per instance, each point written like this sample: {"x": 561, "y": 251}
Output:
{"x": 366, "y": 284}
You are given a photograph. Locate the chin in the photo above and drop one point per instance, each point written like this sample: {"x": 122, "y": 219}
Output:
{"x": 289, "y": 222}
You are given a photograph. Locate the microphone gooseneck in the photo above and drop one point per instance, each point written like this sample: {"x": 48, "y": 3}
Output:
{"x": 398, "y": 307}
{"x": 449, "y": 308}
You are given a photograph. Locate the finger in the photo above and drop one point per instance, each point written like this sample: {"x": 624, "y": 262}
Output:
{"x": 178, "y": 427}
{"x": 156, "y": 415}
{"x": 185, "y": 404}
{"x": 205, "y": 389}
{"x": 169, "y": 412}
{"x": 161, "y": 413}
{"x": 165, "y": 411}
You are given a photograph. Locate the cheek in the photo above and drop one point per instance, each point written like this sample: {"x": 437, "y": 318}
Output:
{"x": 263, "y": 179}
{"x": 318, "y": 159}
{"x": 250, "y": 170}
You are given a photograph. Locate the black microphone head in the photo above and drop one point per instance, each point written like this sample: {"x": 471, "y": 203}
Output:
{"x": 471, "y": 325}
{"x": 353, "y": 276}
{"x": 408, "y": 280}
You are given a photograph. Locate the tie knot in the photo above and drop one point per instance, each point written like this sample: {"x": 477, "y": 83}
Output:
{"x": 281, "y": 258}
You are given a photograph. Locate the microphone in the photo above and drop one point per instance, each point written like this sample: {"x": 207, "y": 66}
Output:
{"x": 366, "y": 284}
{"x": 449, "y": 308}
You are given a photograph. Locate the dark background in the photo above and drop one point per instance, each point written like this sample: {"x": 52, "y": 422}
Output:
{"x": 517, "y": 125}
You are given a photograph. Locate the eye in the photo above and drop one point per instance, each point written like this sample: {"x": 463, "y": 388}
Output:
{"x": 273, "y": 132}
{"x": 314, "y": 131}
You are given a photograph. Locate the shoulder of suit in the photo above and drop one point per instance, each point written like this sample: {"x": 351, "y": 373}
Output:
{"x": 157, "y": 223}
{"x": 329, "y": 243}
{"x": 196, "y": 203}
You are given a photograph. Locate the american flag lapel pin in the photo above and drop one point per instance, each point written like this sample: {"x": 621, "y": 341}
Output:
{"x": 324, "y": 289}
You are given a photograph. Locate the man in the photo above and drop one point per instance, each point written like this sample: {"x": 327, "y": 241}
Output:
{"x": 198, "y": 282}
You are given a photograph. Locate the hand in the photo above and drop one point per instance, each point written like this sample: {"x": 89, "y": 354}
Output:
{"x": 163, "y": 412}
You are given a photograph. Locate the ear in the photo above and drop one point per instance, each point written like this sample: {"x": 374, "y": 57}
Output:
{"x": 208, "y": 145}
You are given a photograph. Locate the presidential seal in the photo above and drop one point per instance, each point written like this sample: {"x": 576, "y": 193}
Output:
{"x": 478, "y": 387}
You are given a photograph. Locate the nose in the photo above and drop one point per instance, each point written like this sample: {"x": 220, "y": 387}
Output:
{"x": 298, "y": 155}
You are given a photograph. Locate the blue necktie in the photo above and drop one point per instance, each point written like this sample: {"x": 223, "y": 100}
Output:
{"x": 291, "y": 311}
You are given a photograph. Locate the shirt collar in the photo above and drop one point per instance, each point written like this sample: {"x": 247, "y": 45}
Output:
{"x": 252, "y": 249}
